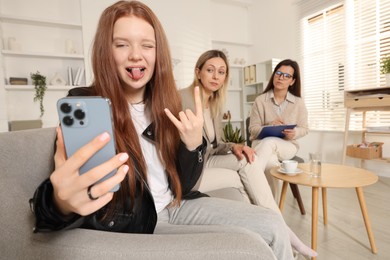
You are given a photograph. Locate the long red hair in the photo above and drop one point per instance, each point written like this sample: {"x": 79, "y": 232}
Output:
{"x": 160, "y": 93}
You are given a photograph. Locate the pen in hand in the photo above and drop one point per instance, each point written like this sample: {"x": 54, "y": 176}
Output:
{"x": 278, "y": 121}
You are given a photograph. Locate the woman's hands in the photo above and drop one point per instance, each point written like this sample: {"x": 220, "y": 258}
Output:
{"x": 240, "y": 150}
{"x": 289, "y": 134}
{"x": 277, "y": 121}
{"x": 190, "y": 125}
{"x": 70, "y": 188}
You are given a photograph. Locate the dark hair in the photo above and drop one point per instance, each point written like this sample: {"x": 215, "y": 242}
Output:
{"x": 160, "y": 93}
{"x": 295, "y": 88}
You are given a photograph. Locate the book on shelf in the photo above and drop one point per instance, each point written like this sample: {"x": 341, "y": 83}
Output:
{"x": 79, "y": 76}
{"x": 17, "y": 81}
{"x": 70, "y": 77}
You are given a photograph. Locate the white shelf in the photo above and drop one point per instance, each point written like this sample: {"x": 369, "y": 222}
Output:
{"x": 264, "y": 83}
{"x": 235, "y": 89}
{"x": 35, "y": 21}
{"x": 31, "y": 87}
{"x": 42, "y": 55}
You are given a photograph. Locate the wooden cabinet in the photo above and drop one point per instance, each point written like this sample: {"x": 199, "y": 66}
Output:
{"x": 364, "y": 100}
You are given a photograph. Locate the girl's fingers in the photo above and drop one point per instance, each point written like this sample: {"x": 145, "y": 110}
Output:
{"x": 198, "y": 103}
{"x": 60, "y": 155}
{"x": 71, "y": 193}
{"x": 188, "y": 120}
{"x": 102, "y": 191}
{"x": 81, "y": 156}
{"x": 99, "y": 172}
{"x": 173, "y": 119}
{"x": 84, "y": 206}
{"x": 102, "y": 188}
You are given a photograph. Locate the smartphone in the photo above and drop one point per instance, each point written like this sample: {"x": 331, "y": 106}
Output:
{"x": 82, "y": 119}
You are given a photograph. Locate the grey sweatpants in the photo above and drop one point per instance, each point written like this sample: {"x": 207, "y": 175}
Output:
{"x": 215, "y": 211}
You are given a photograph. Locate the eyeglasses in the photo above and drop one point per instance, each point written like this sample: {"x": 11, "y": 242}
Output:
{"x": 285, "y": 75}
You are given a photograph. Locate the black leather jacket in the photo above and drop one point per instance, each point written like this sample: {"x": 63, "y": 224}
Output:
{"x": 141, "y": 219}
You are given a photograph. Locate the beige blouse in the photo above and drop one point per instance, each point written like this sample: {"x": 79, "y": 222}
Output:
{"x": 264, "y": 112}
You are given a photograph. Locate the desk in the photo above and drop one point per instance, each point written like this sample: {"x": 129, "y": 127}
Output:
{"x": 332, "y": 176}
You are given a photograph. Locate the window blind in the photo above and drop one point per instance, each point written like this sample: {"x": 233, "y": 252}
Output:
{"x": 341, "y": 49}
{"x": 323, "y": 68}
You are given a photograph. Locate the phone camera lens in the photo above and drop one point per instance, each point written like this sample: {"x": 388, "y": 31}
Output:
{"x": 79, "y": 114}
{"x": 66, "y": 108}
{"x": 68, "y": 120}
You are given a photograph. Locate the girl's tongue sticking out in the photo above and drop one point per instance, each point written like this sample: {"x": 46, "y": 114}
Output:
{"x": 136, "y": 73}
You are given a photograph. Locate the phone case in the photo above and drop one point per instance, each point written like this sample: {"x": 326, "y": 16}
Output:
{"x": 82, "y": 119}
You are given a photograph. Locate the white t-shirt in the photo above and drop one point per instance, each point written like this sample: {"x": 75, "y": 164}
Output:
{"x": 157, "y": 179}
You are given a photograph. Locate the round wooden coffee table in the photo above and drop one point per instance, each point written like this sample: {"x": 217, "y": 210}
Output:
{"x": 332, "y": 176}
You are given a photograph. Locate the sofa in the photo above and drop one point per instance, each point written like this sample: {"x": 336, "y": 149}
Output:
{"x": 26, "y": 160}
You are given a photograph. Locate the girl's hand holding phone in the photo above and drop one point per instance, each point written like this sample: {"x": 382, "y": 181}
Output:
{"x": 71, "y": 189}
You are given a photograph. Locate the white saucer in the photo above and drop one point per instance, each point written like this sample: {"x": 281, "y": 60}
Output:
{"x": 281, "y": 170}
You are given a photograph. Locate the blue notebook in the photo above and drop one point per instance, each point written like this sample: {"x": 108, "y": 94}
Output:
{"x": 274, "y": 130}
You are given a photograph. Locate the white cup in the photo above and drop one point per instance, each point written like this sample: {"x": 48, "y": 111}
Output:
{"x": 289, "y": 166}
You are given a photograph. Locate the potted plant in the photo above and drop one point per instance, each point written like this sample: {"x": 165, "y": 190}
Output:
{"x": 230, "y": 135}
{"x": 385, "y": 69}
{"x": 39, "y": 81}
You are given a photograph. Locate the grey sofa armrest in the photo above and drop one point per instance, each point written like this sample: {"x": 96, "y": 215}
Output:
{"x": 26, "y": 158}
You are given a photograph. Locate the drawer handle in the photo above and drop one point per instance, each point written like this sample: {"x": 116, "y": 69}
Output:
{"x": 356, "y": 99}
{"x": 380, "y": 97}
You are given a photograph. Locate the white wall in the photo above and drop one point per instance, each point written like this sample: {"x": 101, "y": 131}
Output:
{"x": 186, "y": 24}
{"x": 274, "y": 30}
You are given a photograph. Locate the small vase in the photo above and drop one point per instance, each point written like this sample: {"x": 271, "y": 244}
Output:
{"x": 57, "y": 80}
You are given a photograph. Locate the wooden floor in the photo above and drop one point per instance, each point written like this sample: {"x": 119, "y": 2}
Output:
{"x": 345, "y": 236}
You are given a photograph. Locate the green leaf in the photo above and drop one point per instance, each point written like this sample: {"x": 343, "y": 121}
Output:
{"x": 232, "y": 135}
{"x": 39, "y": 82}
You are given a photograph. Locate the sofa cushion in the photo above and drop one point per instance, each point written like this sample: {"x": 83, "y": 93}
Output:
{"x": 25, "y": 161}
